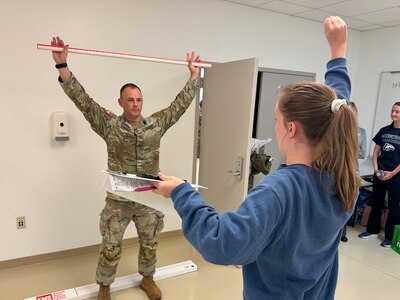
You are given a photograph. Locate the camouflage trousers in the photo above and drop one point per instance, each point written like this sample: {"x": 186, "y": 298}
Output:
{"x": 114, "y": 219}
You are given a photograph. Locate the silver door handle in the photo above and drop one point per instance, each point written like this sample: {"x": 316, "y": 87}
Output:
{"x": 238, "y": 168}
{"x": 235, "y": 173}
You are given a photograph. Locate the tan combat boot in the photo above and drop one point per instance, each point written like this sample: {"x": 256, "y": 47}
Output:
{"x": 104, "y": 293}
{"x": 149, "y": 287}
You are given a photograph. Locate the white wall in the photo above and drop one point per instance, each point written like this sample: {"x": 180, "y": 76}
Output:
{"x": 57, "y": 185}
{"x": 379, "y": 52}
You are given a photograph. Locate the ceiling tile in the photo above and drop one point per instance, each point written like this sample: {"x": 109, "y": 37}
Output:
{"x": 360, "y": 15}
{"x": 392, "y": 23}
{"x": 359, "y": 7}
{"x": 315, "y": 15}
{"x": 249, "y": 2}
{"x": 381, "y": 16}
{"x": 284, "y": 7}
{"x": 352, "y": 23}
{"x": 315, "y": 3}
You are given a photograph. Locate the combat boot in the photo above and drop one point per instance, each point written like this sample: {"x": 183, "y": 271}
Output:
{"x": 149, "y": 287}
{"x": 104, "y": 293}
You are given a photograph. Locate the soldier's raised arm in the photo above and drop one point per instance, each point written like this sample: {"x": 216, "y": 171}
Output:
{"x": 194, "y": 71}
{"x": 60, "y": 58}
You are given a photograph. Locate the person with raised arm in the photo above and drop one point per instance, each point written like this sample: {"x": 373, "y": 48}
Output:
{"x": 133, "y": 146}
{"x": 287, "y": 230}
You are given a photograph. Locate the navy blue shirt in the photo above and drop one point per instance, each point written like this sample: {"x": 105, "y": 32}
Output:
{"x": 388, "y": 138}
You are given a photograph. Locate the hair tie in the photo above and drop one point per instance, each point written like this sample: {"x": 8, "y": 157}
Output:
{"x": 336, "y": 104}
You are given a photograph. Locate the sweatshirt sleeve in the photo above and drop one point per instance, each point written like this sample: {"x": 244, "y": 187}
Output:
{"x": 337, "y": 77}
{"x": 229, "y": 238}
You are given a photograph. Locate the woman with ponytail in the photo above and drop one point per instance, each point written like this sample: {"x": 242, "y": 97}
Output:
{"x": 286, "y": 232}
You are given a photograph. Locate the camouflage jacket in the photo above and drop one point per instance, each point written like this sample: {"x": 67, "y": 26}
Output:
{"x": 131, "y": 148}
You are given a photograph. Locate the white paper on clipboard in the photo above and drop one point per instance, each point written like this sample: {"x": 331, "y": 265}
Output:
{"x": 125, "y": 188}
{"x": 147, "y": 198}
{"x": 125, "y": 182}
{"x": 129, "y": 182}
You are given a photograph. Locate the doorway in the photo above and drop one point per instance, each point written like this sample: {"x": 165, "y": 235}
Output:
{"x": 238, "y": 102}
{"x": 269, "y": 82}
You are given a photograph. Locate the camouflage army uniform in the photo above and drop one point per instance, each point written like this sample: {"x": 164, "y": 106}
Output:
{"x": 131, "y": 149}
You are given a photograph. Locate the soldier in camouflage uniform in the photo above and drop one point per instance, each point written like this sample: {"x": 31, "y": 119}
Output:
{"x": 133, "y": 144}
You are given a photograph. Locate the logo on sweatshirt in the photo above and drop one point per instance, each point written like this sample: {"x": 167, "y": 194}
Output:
{"x": 388, "y": 147}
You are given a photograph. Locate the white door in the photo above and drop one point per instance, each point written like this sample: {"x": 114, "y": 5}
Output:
{"x": 226, "y": 128}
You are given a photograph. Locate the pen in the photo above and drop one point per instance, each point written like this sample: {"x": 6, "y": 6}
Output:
{"x": 144, "y": 188}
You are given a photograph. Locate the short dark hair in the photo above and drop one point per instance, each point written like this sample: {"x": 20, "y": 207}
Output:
{"x": 128, "y": 85}
{"x": 397, "y": 103}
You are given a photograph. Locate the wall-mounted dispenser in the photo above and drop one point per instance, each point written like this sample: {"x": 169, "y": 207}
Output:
{"x": 59, "y": 121}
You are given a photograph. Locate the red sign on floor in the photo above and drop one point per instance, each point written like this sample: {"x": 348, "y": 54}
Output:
{"x": 61, "y": 295}
{"x": 45, "y": 297}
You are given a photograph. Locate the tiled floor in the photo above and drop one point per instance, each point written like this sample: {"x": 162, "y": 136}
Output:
{"x": 367, "y": 271}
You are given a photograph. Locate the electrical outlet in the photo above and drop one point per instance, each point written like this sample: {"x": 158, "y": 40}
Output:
{"x": 21, "y": 223}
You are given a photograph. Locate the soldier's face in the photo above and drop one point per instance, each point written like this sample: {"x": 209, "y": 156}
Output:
{"x": 131, "y": 102}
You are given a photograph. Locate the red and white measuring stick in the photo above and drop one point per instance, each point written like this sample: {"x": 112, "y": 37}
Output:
{"x": 122, "y": 55}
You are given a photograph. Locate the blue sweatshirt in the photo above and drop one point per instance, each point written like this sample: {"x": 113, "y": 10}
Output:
{"x": 286, "y": 232}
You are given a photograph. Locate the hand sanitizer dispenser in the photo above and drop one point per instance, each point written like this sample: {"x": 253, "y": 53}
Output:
{"x": 59, "y": 122}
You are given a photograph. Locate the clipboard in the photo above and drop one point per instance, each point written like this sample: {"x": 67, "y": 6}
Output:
{"x": 126, "y": 182}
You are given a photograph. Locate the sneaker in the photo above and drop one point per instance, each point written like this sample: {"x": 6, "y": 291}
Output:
{"x": 386, "y": 243}
{"x": 367, "y": 235}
